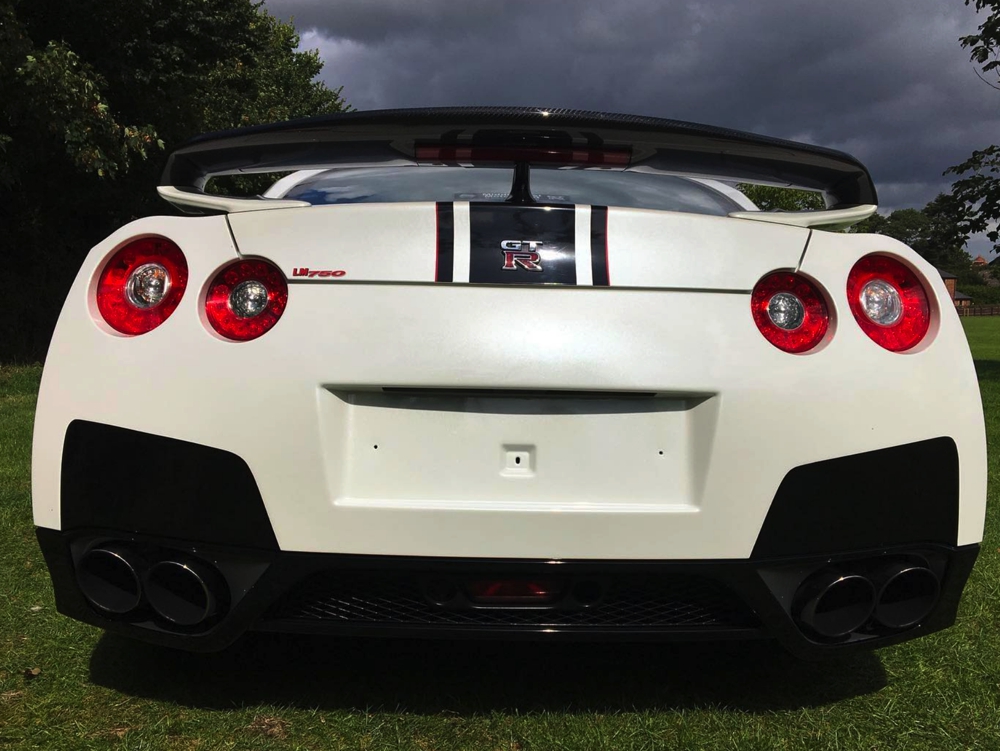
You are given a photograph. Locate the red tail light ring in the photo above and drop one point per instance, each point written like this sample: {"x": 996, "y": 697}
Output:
{"x": 790, "y": 311}
{"x": 246, "y": 299}
{"x": 141, "y": 285}
{"x": 889, "y": 302}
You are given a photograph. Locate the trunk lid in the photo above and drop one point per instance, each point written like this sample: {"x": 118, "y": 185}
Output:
{"x": 498, "y": 243}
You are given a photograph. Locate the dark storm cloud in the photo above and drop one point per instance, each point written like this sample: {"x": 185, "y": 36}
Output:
{"x": 883, "y": 79}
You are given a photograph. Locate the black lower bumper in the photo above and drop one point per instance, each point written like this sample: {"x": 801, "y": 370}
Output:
{"x": 438, "y": 597}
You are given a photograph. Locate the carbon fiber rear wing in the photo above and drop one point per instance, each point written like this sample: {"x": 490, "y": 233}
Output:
{"x": 469, "y": 135}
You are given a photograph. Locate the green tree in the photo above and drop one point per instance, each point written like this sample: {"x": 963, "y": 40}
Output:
{"x": 936, "y": 232}
{"x": 93, "y": 96}
{"x": 769, "y": 198}
{"x": 876, "y": 224}
{"x": 979, "y": 189}
{"x": 908, "y": 226}
{"x": 944, "y": 242}
{"x": 51, "y": 94}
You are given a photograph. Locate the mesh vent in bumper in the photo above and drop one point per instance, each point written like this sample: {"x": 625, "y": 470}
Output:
{"x": 638, "y": 602}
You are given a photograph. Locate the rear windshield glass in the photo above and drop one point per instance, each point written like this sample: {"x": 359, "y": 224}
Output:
{"x": 595, "y": 187}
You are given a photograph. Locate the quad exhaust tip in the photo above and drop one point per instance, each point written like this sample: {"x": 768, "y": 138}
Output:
{"x": 907, "y": 593}
{"x": 109, "y": 579}
{"x": 834, "y": 604}
{"x": 183, "y": 592}
{"x": 115, "y": 580}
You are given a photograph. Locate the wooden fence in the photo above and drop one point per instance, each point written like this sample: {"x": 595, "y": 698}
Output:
{"x": 979, "y": 310}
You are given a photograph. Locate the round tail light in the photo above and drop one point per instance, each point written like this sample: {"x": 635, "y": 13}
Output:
{"x": 246, "y": 299}
{"x": 790, "y": 311}
{"x": 889, "y": 302}
{"x": 141, "y": 285}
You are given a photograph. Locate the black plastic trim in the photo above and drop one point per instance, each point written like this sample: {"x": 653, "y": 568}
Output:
{"x": 899, "y": 495}
{"x": 259, "y": 579}
{"x": 142, "y": 483}
{"x": 463, "y": 393}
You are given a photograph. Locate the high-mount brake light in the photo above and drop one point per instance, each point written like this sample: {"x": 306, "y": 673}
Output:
{"x": 141, "y": 285}
{"x": 889, "y": 302}
{"x": 450, "y": 154}
{"x": 246, "y": 299}
{"x": 790, "y": 311}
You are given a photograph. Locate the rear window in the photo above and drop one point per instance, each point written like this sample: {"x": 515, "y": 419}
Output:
{"x": 595, "y": 187}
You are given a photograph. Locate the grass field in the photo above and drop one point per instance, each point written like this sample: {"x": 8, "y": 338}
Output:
{"x": 96, "y": 691}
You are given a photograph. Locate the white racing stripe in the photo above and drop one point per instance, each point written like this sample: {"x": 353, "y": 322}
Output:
{"x": 463, "y": 243}
{"x": 584, "y": 270}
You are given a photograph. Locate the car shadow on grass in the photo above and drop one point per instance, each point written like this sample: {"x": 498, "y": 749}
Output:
{"x": 988, "y": 370}
{"x": 470, "y": 677}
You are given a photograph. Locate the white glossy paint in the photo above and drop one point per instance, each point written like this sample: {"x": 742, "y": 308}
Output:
{"x": 829, "y": 219}
{"x": 186, "y": 199}
{"x": 303, "y": 404}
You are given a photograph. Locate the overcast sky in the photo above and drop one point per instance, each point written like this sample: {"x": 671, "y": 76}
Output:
{"x": 885, "y": 80}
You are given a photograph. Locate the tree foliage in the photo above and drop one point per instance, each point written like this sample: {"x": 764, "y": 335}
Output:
{"x": 936, "y": 232}
{"x": 93, "y": 96}
{"x": 769, "y": 198}
{"x": 979, "y": 189}
{"x": 77, "y": 113}
{"x": 984, "y": 44}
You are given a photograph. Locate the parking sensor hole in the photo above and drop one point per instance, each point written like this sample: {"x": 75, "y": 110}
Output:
{"x": 661, "y": 453}
{"x": 375, "y": 447}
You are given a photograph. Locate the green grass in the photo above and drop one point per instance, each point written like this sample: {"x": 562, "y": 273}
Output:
{"x": 97, "y": 691}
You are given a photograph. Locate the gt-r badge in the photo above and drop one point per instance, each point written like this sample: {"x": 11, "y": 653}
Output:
{"x": 523, "y": 253}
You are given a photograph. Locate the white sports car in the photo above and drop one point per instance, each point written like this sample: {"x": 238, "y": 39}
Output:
{"x": 509, "y": 372}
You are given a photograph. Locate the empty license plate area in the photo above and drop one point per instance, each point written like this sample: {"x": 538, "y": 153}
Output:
{"x": 516, "y": 449}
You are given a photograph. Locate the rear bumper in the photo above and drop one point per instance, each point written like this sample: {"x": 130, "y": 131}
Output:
{"x": 207, "y": 524}
{"x": 424, "y": 597}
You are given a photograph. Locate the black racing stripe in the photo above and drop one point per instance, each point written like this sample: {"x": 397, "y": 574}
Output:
{"x": 445, "y": 264}
{"x": 515, "y": 244}
{"x": 599, "y": 245}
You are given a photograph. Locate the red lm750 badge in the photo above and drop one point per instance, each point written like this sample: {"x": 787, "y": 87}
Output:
{"x": 308, "y": 272}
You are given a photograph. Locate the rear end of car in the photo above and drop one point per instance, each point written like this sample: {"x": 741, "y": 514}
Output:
{"x": 533, "y": 415}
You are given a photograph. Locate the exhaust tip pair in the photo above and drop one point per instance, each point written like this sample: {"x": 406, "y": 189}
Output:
{"x": 117, "y": 580}
{"x": 834, "y": 604}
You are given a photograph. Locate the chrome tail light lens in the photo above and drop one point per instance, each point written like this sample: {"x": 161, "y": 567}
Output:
{"x": 790, "y": 311}
{"x": 889, "y": 302}
{"x": 141, "y": 285}
{"x": 246, "y": 299}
